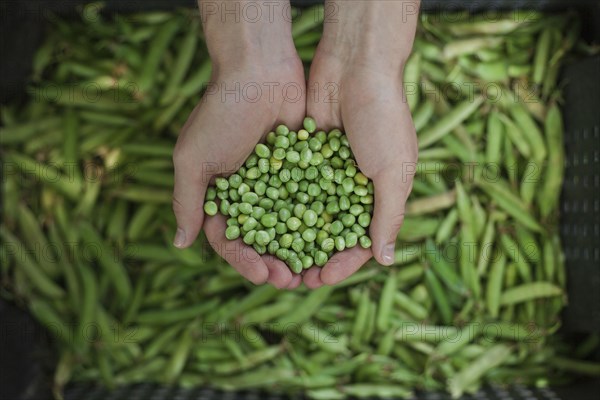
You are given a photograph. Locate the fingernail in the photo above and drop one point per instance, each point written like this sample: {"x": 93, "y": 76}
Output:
{"x": 388, "y": 254}
{"x": 179, "y": 238}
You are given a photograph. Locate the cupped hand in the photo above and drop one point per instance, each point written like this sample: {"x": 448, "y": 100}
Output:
{"x": 242, "y": 102}
{"x": 366, "y": 100}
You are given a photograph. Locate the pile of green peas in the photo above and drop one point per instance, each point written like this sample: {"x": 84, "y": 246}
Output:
{"x": 300, "y": 196}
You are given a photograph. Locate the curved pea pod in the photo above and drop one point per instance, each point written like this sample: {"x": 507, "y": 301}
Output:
{"x": 310, "y": 38}
{"x": 530, "y": 181}
{"x": 501, "y": 194}
{"x": 470, "y": 46}
{"x": 386, "y": 300}
{"x": 250, "y": 360}
{"x": 180, "y": 355}
{"x": 495, "y": 134}
{"x": 542, "y": 51}
{"x": 50, "y": 318}
{"x": 406, "y": 303}
{"x": 194, "y": 84}
{"x": 308, "y": 19}
{"x": 91, "y": 191}
{"x": 43, "y": 254}
{"x": 308, "y": 307}
{"x": 549, "y": 192}
{"x": 114, "y": 269}
{"x": 516, "y": 136}
{"x": 431, "y": 204}
{"x": 447, "y": 226}
{"x": 528, "y": 243}
{"x": 531, "y": 132}
{"x": 466, "y": 377}
{"x": 360, "y": 321}
{"x": 439, "y": 296}
{"x": 452, "y": 344}
{"x": 143, "y": 194}
{"x": 499, "y": 27}
{"x": 549, "y": 260}
{"x": 169, "y": 316}
{"x": 182, "y": 63}
{"x": 516, "y": 254}
{"x": 105, "y": 368}
{"x": 412, "y": 79}
{"x": 267, "y": 313}
{"x": 465, "y": 214}
{"x": 417, "y": 228}
{"x": 140, "y": 221}
{"x": 448, "y": 122}
{"x": 530, "y": 291}
{"x": 443, "y": 269}
{"x": 494, "y": 285}
{"x": 89, "y": 301}
{"x": 21, "y": 132}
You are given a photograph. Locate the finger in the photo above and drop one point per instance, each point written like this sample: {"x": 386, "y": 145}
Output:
{"x": 392, "y": 188}
{"x": 242, "y": 258}
{"x": 344, "y": 264}
{"x": 188, "y": 197}
{"x": 280, "y": 275}
{"x": 312, "y": 279}
{"x": 296, "y": 281}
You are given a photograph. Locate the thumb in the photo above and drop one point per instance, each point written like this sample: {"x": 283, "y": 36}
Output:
{"x": 188, "y": 198}
{"x": 392, "y": 188}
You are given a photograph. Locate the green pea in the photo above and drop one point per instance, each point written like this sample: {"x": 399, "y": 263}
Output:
{"x": 334, "y": 133}
{"x": 302, "y": 198}
{"x": 274, "y": 181}
{"x": 311, "y": 173}
{"x": 320, "y": 222}
{"x": 285, "y": 175}
{"x": 257, "y": 212}
{"x": 243, "y": 188}
{"x": 210, "y": 208}
{"x": 292, "y": 156}
{"x": 298, "y": 245}
{"x": 242, "y": 172}
{"x": 351, "y": 171}
{"x": 266, "y": 203}
{"x": 282, "y": 142}
{"x": 234, "y": 210}
{"x": 334, "y": 143}
{"x": 310, "y": 217}
{"x": 348, "y": 185}
{"x": 251, "y": 161}
{"x": 296, "y": 235}
{"x": 317, "y": 206}
{"x": 361, "y": 179}
{"x": 264, "y": 165}
{"x": 260, "y": 249}
{"x": 222, "y": 195}
{"x": 280, "y": 228}
{"x": 322, "y": 197}
{"x": 250, "y": 197}
{"x": 360, "y": 190}
{"x": 249, "y": 238}
{"x": 260, "y": 188}
{"x": 245, "y": 208}
{"x": 309, "y": 124}
{"x": 321, "y": 136}
{"x": 250, "y": 224}
{"x": 291, "y": 186}
{"x": 368, "y": 199}
{"x": 232, "y": 232}
{"x": 336, "y": 227}
{"x": 271, "y": 138}
{"x": 337, "y": 163}
{"x": 293, "y": 137}
{"x": 314, "y": 189}
{"x": 279, "y": 204}
{"x": 314, "y": 144}
{"x": 262, "y": 151}
{"x": 222, "y": 183}
{"x": 324, "y": 184}
{"x": 340, "y": 243}
{"x": 284, "y": 214}
{"x": 273, "y": 247}
{"x": 283, "y": 193}
{"x": 224, "y": 206}
{"x": 231, "y": 221}
{"x": 327, "y": 245}
{"x": 344, "y": 152}
{"x": 359, "y": 230}
{"x": 282, "y": 130}
{"x": 303, "y": 134}
{"x": 307, "y": 262}
{"x": 309, "y": 235}
{"x": 269, "y": 220}
{"x": 348, "y": 220}
{"x": 351, "y": 239}
{"x": 332, "y": 208}
{"x": 365, "y": 242}
{"x": 279, "y": 153}
{"x": 364, "y": 219}
{"x": 234, "y": 195}
{"x": 306, "y": 155}
{"x": 262, "y": 238}
{"x": 321, "y": 235}
{"x": 211, "y": 194}
{"x": 235, "y": 181}
{"x": 356, "y": 209}
{"x": 317, "y": 159}
{"x": 242, "y": 218}
{"x": 326, "y": 151}
{"x": 282, "y": 254}
{"x": 321, "y": 258}
{"x": 344, "y": 203}
{"x": 370, "y": 187}
{"x": 344, "y": 141}
{"x": 338, "y": 176}
{"x": 354, "y": 198}
{"x": 299, "y": 210}
{"x": 293, "y": 223}
{"x": 369, "y": 208}
{"x": 295, "y": 264}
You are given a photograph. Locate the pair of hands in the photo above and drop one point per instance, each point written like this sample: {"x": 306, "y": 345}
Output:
{"x": 258, "y": 84}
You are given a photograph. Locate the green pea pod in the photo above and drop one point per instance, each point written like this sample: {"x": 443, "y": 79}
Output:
{"x": 310, "y": 38}
{"x": 452, "y": 344}
{"x": 443, "y": 269}
{"x": 528, "y": 244}
{"x": 549, "y": 261}
{"x": 432, "y": 204}
{"x": 144, "y": 194}
{"x": 465, "y": 214}
{"x": 479, "y": 216}
{"x": 309, "y": 19}
{"x": 360, "y": 321}
{"x": 43, "y": 254}
{"x": 364, "y": 390}
{"x": 512, "y": 250}
{"x": 550, "y": 190}
{"x": 70, "y": 143}
{"x": 50, "y": 318}
{"x": 140, "y": 221}
{"x": 486, "y": 246}
{"x": 412, "y": 307}
{"x": 163, "y": 317}
{"x": 447, "y": 226}
{"x": 495, "y": 133}
{"x": 529, "y": 291}
{"x": 439, "y": 296}
{"x": 542, "y": 51}
{"x": 182, "y": 63}
{"x": 470, "y": 46}
{"x": 179, "y": 357}
{"x": 412, "y": 79}
{"x": 160, "y": 341}
{"x": 89, "y": 301}
{"x": 249, "y": 361}
{"x": 531, "y": 132}
{"x": 24, "y": 131}
{"x": 267, "y": 313}
{"x": 494, "y": 285}
{"x": 516, "y": 136}
{"x": 423, "y": 114}
{"x": 386, "y": 301}
{"x": 152, "y": 149}
{"x": 105, "y": 368}
{"x": 448, "y": 122}
{"x": 308, "y": 307}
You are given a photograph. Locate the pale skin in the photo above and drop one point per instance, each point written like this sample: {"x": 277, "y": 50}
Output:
{"x": 362, "y": 52}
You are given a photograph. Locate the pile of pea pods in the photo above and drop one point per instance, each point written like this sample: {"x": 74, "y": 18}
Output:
{"x": 478, "y": 284}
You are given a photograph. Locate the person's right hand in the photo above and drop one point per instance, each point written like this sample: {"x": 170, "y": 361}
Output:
{"x": 252, "y": 90}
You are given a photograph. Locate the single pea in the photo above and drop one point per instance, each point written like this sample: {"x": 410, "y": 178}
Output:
{"x": 245, "y": 208}
{"x": 336, "y": 227}
{"x": 279, "y": 204}
{"x": 242, "y": 172}
{"x": 235, "y": 181}
{"x": 222, "y": 183}
{"x": 264, "y": 178}
{"x": 298, "y": 245}
{"x": 250, "y": 224}
{"x": 356, "y": 209}
{"x": 244, "y": 188}
{"x": 260, "y": 188}
{"x": 224, "y": 206}
{"x": 326, "y": 218}
{"x": 286, "y": 240}
{"x": 262, "y": 238}
{"x": 321, "y": 235}
{"x": 360, "y": 190}
{"x": 315, "y": 144}
{"x": 295, "y": 265}
{"x": 249, "y": 238}
{"x": 292, "y": 156}
{"x": 370, "y": 187}
{"x": 269, "y": 220}
{"x": 234, "y": 210}
{"x": 272, "y": 193}
{"x": 354, "y": 198}
{"x": 317, "y": 206}
{"x": 264, "y": 165}
{"x": 302, "y": 198}
{"x": 307, "y": 262}
{"x": 321, "y": 136}
{"x": 320, "y": 258}
{"x": 291, "y": 186}
{"x": 232, "y": 232}
{"x": 211, "y": 194}
{"x": 222, "y": 195}
{"x": 351, "y": 171}
{"x": 273, "y": 247}
{"x": 303, "y": 164}
{"x": 284, "y": 214}
{"x": 301, "y": 145}
{"x": 259, "y": 248}
{"x": 364, "y": 219}
{"x": 351, "y": 239}
{"x": 344, "y": 152}
{"x": 257, "y": 212}
{"x": 324, "y": 184}
{"x": 309, "y": 124}
{"x": 334, "y": 133}
{"x": 242, "y": 218}
{"x": 365, "y": 242}
{"x": 210, "y": 208}
{"x": 293, "y": 223}
{"x": 285, "y": 175}
{"x": 297, "y": 174}
{"x": 326, "y": 151}
{"x": 234, "y": 195}
{"x": 337, "y": 163}
{"x": 361, "y": 179}
{"x": 327, "y": 245}
{"x": 303, "y": 134}
{"x": 272, "y": 233}
{"x": 293, "y": 137}
{"x": 323, "y": 196}
{"x": 344, "y": 140}
{"x": 368, "y": 199}
{"x": 309, "y": 246}
{"x": 314, "y": 189}
{"x": 306, "y": 155}
{"x": 344, "y": 203}
{"x": 348, "y": 220}
{"x": 310, "y": 217}
{"x": 311, "y": 173}
{"x": 317, "y": 159}
{"x": 320, "y": 222}
{"x": 282, "y": 253}
{"x": 296, "y": 235}
{"x": 262, "y": 151}
{"x": 250, "y": 197}
{"x": 265, "y": 203}
{"x": 340, "y": 243}
{"x": 327, "y": 172}
{"x": 271, "y": 138}
{"x": 280, "y": 228}
{"x": 231, "y": 221}
{"x": 251, "y": 161}
{"x": 327, "y": 227}
{"x": 279, "y": 153}
{"x": 282, "y": 142}
{"x": 338, "y": 176}
{"x": 334, "y": 143}
{"x": 345, "y": 231}
{"x": 332, "y": 207}
{"x": 309, "y": 235}
{"x": 282, "y": 130}
{"x": 369, "y": 208}
{"x": 283, "y": 193}
{"x": 359, "y": 230}
{"x": 348, "y": 185}
{"x": 299, "y": 210}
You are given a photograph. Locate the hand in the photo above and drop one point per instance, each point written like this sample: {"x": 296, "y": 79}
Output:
{"x": 360, "y": 89}
{"x": 224, "y": 128}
